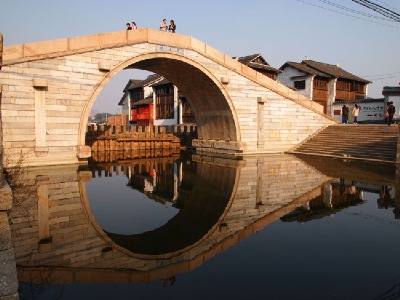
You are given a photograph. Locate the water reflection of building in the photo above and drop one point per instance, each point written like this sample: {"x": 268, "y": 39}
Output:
{"x": 160, "y": 181}
{"x": 334, "y": 197}
{"x": 168, "y": 179}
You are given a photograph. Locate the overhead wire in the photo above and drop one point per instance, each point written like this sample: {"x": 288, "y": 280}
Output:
{"x": 385, "y": 4}
{"x": 354, "y": 10}
{"x": 347, "y": 14}
{"x": 389, "y": 13}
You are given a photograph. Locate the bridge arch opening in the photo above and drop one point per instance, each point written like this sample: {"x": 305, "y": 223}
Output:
{"x": 202, "y": 210}
{"x": 213, "y": 110}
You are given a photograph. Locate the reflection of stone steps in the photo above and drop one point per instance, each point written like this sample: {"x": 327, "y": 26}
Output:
{"x": 366, "y": 142}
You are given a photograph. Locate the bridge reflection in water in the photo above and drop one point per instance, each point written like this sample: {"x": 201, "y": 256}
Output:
{"x": 58, "y": 239}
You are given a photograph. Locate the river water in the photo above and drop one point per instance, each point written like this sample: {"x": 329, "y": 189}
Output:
{"x": 197, "y": 227}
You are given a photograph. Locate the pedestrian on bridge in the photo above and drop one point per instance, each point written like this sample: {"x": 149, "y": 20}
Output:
{"x": 172, "y": 26}
{"x": 164, "y": 25}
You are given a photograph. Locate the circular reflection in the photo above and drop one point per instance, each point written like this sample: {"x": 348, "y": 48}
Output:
{"x": 185, "y": 202}
{"x": 122, "y": 210}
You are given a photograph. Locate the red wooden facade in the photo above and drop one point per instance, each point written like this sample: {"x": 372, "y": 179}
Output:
{"x": 143, "y": 115}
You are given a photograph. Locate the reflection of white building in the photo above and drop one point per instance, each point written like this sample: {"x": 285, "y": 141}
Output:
{"x": 161, "y": 182}
{"x": 149, "y": 185}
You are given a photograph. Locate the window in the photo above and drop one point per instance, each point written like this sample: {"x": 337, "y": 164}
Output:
{"x": 137, "y": 94}
{"x": 320, "y": 84}
{"x": 165, "y": 102}
{"x": 300, "y": 85}
{"x": 358, "y": 87}
{"x": 343, "y": 85}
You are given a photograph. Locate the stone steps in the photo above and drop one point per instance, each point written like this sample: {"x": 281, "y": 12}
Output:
{"x": 376, "y": 142}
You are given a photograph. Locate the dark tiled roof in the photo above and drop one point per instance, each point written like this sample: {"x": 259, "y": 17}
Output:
{"x": 161, "y": 82}
{"x": 391, "y": 91}
{"x": 250, "y": 62}
{"x": 263, "y": 67}
{"x": 147, "y": 100}
{"x": 333, "y": 70}
{"x": 137, "y": 83}
{"x": 249, "y": 58}
{"x": 304, "y": 68}
{"x": 151, "y": 79}
{"x": 324, "y": 70}
{"x": 132, "y": 83}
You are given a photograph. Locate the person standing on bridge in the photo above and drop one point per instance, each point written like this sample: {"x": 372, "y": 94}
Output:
{"x": 164, "y": 25}
{"x": 172, "y": 26}
{"x": 134, "y": 25}
{"x": 128, "y": 26}
{"x": 356, "y": 112}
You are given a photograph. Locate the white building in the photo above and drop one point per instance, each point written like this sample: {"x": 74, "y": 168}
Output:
{"x": 155, "y": 101}
{"x": 323, "y": 83}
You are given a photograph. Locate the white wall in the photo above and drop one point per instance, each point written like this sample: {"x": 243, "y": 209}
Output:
{"x": 125, "y": 105}
{"x": 370, "y": 111}
{"x": 286, "y": 78}
{"x": 168, "y": 122}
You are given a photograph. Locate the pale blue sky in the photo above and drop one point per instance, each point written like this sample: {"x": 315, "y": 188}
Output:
{"x": 284, "y": 30}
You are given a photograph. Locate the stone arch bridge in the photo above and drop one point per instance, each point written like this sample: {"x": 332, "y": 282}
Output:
{"x": 48, "y": 89}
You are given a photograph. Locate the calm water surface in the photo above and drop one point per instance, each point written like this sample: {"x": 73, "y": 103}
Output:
{"x": 274, "y": 227}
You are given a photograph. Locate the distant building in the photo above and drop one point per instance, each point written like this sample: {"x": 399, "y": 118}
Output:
{"x": 258, "y": 63}
{"x": 323, "y": 83}
{"x": 155, "y": 101}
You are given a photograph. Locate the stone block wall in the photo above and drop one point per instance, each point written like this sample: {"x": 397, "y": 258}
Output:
{"x": 50, "y": 87}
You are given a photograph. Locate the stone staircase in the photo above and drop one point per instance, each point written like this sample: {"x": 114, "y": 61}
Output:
{"x": 373, "y": 142}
